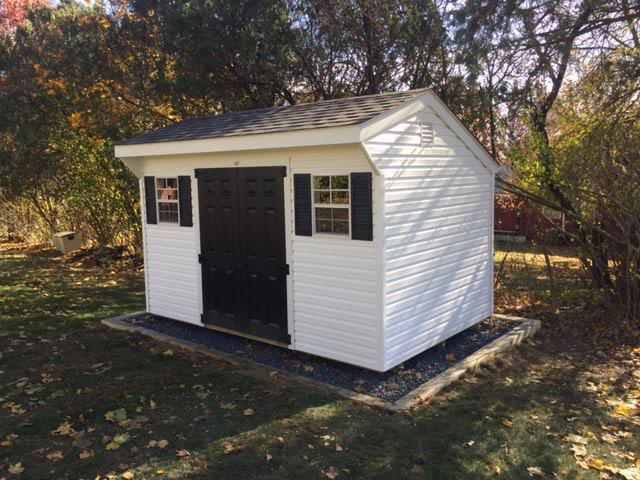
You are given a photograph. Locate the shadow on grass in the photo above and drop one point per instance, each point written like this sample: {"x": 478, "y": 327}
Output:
{"x": 39, "y": 292}
{"x": 500, "y": 424}
{"x": 489, "y": 428}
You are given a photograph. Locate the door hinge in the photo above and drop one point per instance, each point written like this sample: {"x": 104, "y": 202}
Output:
{"x": 201, "y": 258}
{"x": 286, "y": 269}
{"x": 287, "y": 339}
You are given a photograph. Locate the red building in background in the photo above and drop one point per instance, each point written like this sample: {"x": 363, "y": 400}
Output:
{"x": 516, "y": 221}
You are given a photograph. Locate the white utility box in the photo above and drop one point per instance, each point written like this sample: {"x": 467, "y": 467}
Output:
{"x": 66, "y": 242}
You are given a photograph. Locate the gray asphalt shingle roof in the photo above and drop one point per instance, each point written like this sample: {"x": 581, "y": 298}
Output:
{"x": 329, "y": 113}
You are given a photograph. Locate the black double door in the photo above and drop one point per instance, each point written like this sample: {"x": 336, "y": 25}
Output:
{"x": 242, "y": 240}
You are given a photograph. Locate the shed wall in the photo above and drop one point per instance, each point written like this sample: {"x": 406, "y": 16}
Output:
{"x": 334, "y": 287}
{"x": 438, "y": 243}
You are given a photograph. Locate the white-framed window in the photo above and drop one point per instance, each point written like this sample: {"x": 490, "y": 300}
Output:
{"x": 167, "y": 196}
{"x": 331, "y": 204}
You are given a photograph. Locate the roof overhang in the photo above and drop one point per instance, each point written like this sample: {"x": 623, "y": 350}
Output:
{"x": 292, "y": 139}
{"x": 348, "y": 134}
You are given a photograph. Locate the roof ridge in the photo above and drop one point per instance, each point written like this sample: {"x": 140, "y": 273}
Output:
{"x": 281, "y": 107}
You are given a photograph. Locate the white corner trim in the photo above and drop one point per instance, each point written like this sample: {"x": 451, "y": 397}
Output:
{"x": 372, "y": 163}
{"x": 348, "y": 134}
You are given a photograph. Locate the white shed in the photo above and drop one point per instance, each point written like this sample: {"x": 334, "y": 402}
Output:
{"x": 357, "y": 229}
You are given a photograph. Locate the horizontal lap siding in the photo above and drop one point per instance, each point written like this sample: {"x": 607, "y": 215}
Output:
{"x": 437, "y": 232}
{"x": 335, "y": 305}
{"x": 174, "y": 287}
{"x": 172, "y": 272}
{"x": 336, "y": 284}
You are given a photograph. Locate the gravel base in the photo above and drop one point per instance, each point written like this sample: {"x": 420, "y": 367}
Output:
{"x": 389, "y": 386}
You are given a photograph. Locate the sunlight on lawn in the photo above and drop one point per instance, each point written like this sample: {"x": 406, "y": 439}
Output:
{"x": 187, "y": 416}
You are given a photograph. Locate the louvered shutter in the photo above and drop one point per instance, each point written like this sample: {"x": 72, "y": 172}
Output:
{"x": 184, "y": 199}
{"x": 150, "y": 199}
{"x": 361, "y": 206}
{"x": 302, "y": 200}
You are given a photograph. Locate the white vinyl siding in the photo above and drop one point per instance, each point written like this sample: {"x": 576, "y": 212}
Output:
{"x": 171, "y": 266}
{"x": 437, "y": 236}
{"x": 427, "y": 274}
{"x": 334, "y": 287}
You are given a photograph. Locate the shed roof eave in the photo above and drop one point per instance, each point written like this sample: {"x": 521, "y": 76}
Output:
{"x": 348, "y": 134}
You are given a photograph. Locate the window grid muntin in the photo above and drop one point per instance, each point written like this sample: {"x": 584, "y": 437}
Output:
{"x": 167, "y": 200}
{"x": 325, "y": 204}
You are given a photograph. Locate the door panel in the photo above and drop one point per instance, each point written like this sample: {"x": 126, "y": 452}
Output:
{"x": 263, "y": 251}
{"x": 243, "y": 250}
{"x": 220, "y": 247}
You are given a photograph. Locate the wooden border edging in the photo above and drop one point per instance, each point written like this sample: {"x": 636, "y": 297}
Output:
{"x": 265, "y": 371}
{"x": 411, "y": 400}
{"x": 430, "y": 388}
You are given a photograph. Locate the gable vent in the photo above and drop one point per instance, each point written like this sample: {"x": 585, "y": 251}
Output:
{"x": 426, "y": 134}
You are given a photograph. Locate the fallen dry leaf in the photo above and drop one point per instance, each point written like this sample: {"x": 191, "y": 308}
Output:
{"x": 331, "y": 473}
{"x": 8, "y": 442}
{"x": 450, "y": 357}
{"x": 339, "y": 447}
{"x": 116, "y": 416}
{"x": 183, "y": 453}
{"x": 86, "y": 454}
{"x": 55, "y": 456}
{"x": 598, "y": 464}
{"x": 507, "y": 423}
{"x": 128, "y": 475}
{"x": 65, "y": 428}
{"x": 248, "y": 412}
{"x": 535, "y": 472}
{"x": 121, "y": 438}
{"x": 16, "y": 469}
{"x": 112, "y": 446}
{"x": 576, "y": 439}
{"x": 162, "y": 443}
{"x": 625, "y": 410}
{"x": 582, "y": 465}
{"x": 632, "y": 473}
{"x": 579, "y": 450}
{"x": 228, "y": 448}
{"x": 608, "y": 438}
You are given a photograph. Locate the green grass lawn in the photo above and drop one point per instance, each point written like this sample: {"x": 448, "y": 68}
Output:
{"x": 81, "y": 401}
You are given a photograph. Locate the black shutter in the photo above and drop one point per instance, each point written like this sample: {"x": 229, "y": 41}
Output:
{"x": 184, "y": 198}
{"x": 361, "y": 207}
{"x": 302, "y": 200}
{"x": 150, "y": 199}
